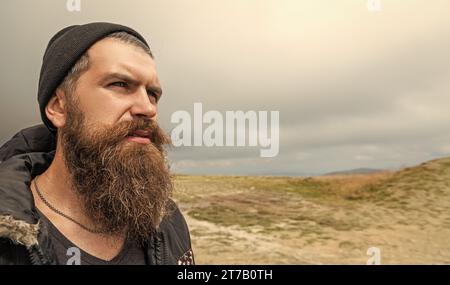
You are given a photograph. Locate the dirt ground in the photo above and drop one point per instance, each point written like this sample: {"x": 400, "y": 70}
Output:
{"x": 320, "y": 220}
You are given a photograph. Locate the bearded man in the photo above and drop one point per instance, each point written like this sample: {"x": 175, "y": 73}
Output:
{"x": 92, "y": 186}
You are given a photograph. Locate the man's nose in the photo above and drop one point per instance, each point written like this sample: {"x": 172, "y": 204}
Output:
{"x": 142, "y": 104}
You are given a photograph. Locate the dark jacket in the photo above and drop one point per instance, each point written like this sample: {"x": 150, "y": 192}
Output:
{"x": 24, "y": 240}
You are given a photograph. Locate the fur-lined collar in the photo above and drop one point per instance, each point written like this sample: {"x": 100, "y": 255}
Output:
{"x": 24, "y": 157}
{"x": 18, "y": 231}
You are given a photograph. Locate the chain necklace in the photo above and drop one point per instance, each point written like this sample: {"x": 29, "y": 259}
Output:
{"x": 59, "y": 212}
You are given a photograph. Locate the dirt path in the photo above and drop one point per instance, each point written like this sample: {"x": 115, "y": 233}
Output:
{"x": 399, "y": 244}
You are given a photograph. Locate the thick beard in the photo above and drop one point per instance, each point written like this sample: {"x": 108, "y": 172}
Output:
{"x": 125, "y": 187}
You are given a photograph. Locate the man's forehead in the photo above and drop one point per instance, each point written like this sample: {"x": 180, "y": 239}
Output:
{"x": 110, "y": 56}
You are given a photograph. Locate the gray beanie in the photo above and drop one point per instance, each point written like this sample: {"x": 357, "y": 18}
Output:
{"x": 63, "y": 51}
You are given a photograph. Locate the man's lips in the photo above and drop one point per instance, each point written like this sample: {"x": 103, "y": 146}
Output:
{"x": 140, "y": 136}
{"x": 142, "y": 133}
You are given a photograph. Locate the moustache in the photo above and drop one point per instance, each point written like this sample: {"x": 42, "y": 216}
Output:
{"x": 141, "y": 127}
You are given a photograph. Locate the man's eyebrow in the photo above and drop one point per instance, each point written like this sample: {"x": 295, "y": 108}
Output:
{"x": 120, "y": 76}
{"x": 124, "y": 77}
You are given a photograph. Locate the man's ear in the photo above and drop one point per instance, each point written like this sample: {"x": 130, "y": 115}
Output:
{"x": 56, "y": 109}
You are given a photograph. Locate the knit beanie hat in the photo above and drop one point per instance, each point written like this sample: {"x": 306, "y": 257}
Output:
{"x": 63, "y": 51}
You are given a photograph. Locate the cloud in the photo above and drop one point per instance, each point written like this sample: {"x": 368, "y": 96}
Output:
{"x": 363, "y": 157}
{"x": 349, "y": 84}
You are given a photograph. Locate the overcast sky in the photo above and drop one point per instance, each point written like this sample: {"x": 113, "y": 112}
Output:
{"x": 354, "y": 88}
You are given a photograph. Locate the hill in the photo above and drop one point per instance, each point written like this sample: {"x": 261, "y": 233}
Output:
{"x": 355, "y": 171}
{"x": 322, "y": 220}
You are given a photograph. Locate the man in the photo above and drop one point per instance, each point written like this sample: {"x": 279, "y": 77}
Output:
{"x": 93, "y": 185}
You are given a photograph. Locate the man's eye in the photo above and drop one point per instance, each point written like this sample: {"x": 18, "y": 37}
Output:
{"x": 119, "y": 84}
{"x": 153, "y": 95}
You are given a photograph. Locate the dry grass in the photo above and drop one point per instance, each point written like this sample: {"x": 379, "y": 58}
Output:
{"x": 328, "y": 219}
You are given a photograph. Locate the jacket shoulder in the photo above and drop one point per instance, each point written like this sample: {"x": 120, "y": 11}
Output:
{"x": 13, "y": 254}
{"x": 176, "y": 236}
{"x": 33, "y": 139}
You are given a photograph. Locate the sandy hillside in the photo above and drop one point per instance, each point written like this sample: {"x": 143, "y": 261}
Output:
{"x": 321, "y": 220}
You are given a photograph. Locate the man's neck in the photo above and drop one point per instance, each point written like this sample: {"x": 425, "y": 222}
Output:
{"x": 56, "y": 186}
